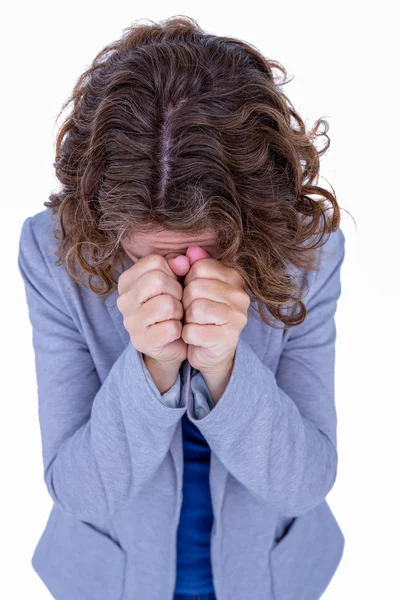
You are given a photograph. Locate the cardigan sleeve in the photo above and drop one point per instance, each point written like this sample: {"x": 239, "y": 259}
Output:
{"x": 100, "y": 442}
{"x": 169, "y": 398}
{"x": 276, "y": 434}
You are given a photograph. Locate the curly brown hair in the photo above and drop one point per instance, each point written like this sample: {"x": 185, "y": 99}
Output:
{"x": 177, "y": 128}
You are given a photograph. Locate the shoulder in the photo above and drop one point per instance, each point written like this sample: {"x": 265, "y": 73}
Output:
{"x": 325, "y": 279}
{"x": 38, "y": 259}
{"x": 37, "y": 238}
{"x": 331, "y": 254}
{"x": 334, "y": 247}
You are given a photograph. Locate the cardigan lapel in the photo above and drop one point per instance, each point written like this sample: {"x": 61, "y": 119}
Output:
{"x": 116, "y": 315}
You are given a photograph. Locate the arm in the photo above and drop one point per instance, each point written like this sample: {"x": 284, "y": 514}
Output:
{"x": 161, "y": 380}
{"x": 276, "y": 434}
{"x": 100, "y": 443}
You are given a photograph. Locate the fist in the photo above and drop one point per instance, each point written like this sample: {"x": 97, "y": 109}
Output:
{"x": 150, "y": 298}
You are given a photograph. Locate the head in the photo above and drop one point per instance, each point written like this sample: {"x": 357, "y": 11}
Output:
{"x": 170, "y": 245}
{"x": 178, "y": 137}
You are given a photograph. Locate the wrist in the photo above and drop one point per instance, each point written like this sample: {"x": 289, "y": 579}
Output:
{"x": 217, "y": 380}
{"x": 163, "y": 375}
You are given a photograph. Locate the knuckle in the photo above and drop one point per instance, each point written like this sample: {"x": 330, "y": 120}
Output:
{"x": 239, "y": 279}
{"x": 154, "y": 282}
{"x": 158, "y": 278}
{"x": 195, "y": 288}
{"x": 237, "y": 295}
{"x": 169, "y": 303}
{"x": 179, "y": 309}
{"x": 178, "y": 328}
{"x": 121, "y": 282}
{"x": 174, "y": 327}
{"x": 128, "y": 324}
{"x": 201, "y": 307}
{"x": 186, "y": 296}
{"x": 246, "y": 299}
{"x": 120, "y": 302}
{"x": 155, "y": 260}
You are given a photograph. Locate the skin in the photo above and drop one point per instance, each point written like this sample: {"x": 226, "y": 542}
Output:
{"x": 214, "y": 301}
{"x": 174, "y": 247}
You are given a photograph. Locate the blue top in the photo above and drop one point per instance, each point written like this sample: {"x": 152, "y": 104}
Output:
{"x": 194, "y": 574}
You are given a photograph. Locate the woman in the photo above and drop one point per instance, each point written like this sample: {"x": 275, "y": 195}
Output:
{"x": 186, "y": 386}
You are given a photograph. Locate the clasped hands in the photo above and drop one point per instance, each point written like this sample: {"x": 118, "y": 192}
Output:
{"x": 215, "y": 303}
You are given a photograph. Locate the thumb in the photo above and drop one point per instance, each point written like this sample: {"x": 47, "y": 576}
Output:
{"x": 195, "y": 253}
{"x": 178, "y": 263}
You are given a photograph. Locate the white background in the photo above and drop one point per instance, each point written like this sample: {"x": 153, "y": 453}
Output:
{"x": 342, "y": 57}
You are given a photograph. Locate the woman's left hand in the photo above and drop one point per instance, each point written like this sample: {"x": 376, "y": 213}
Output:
{"x": 215, "y": 303}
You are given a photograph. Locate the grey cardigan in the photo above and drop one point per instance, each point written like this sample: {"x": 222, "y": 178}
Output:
{"x": 112, "y": 445}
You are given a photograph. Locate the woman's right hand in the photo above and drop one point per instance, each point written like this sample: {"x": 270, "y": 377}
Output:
{"x": 150, "y": 301}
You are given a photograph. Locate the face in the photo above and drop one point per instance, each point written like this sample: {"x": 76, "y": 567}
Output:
{"x": 170, "y": 244}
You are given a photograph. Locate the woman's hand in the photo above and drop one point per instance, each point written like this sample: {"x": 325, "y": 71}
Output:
{"x": 216, "y": 304}
{"x": 150, "y": 302}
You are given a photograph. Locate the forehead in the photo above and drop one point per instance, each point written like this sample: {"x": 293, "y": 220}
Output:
{"x": 170, "y": 239}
